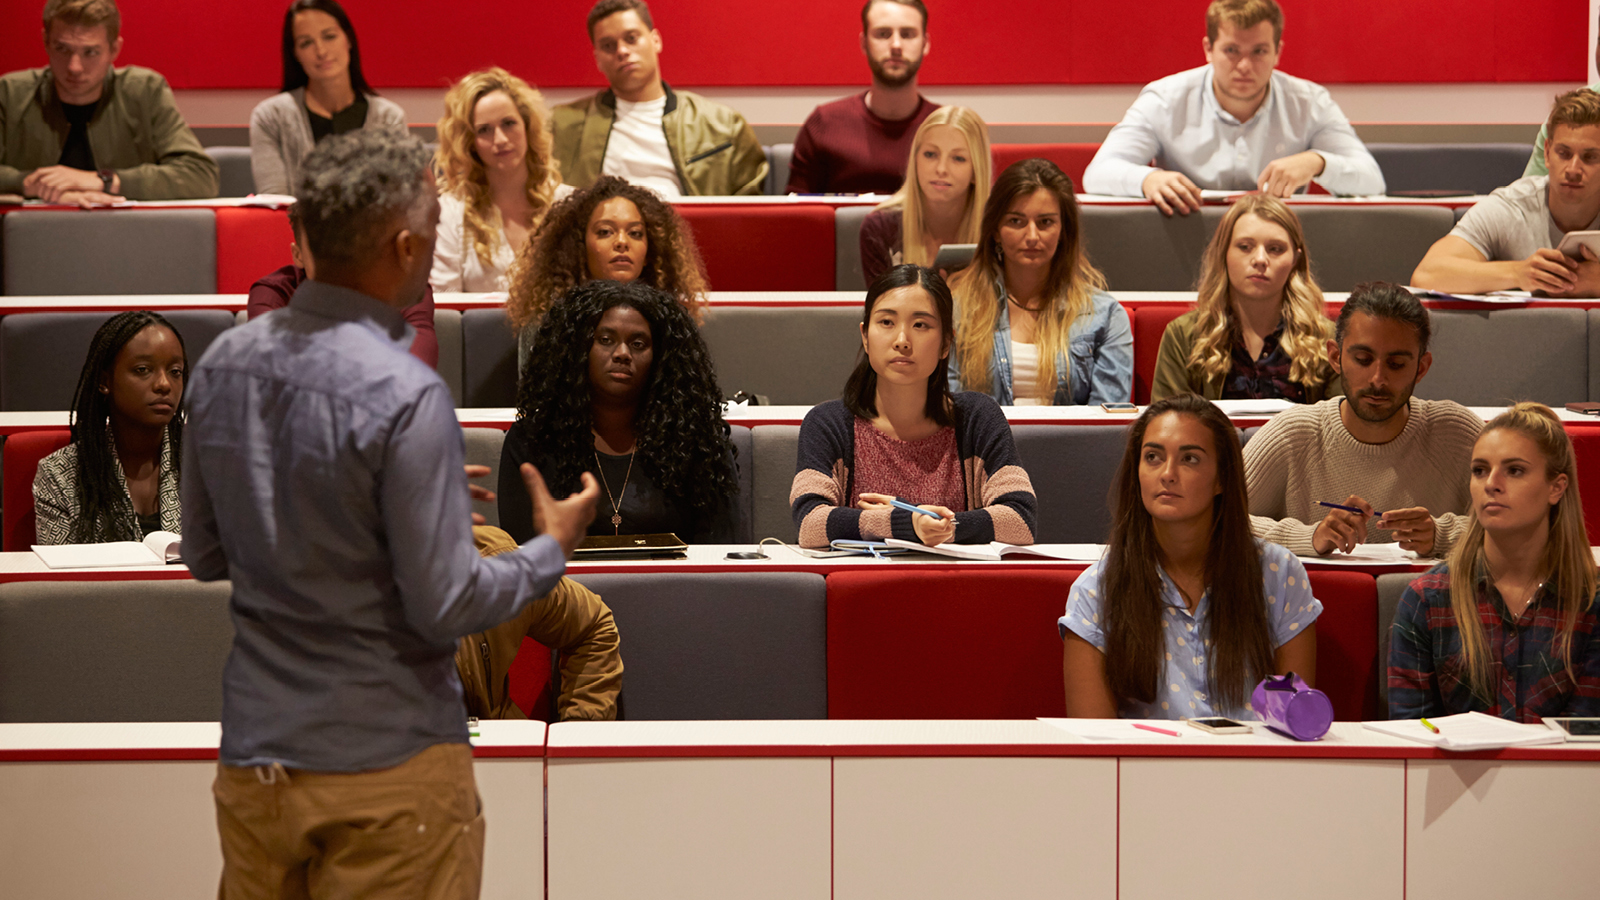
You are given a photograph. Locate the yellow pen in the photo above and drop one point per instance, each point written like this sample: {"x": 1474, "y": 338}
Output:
{"x": 1430, "y": 726}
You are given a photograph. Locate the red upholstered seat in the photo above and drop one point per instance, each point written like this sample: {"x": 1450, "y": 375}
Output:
{"x": 1149, "y": 324}
{"x": 1071, "y": 158}
{"x": 531, "y": 688}
{"x": 764, "y": 248}
{"x": 250, "y": 244}
{"x": 952, "y": 644}
{"x": 1348, "y": 667}
{"x": 1586, "y": 449}
{"x": 22, "y": 453}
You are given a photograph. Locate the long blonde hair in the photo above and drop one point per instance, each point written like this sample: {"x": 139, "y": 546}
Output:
{"x": 461, "y": 171}
{"x": 1567, "y": 557}
{"x": 1305, "y": 328}
{"x": 909, "y": 198}
{"x": 1069, "y": 288}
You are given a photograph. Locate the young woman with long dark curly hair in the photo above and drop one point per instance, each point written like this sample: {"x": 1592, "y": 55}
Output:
{"x": 613, "y": 231}
{"x": 619, "y": 383}
{"x": 1186, "y": 612}
{"x": 118, "y": 479}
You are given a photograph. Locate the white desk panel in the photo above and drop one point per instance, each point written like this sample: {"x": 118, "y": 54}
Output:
{"x": 1462, "y": 813}
{"x": 512, "y": 791}
{"x": 964, "y": 827}
{"x": 689, "y": 829}
{"x": 1237, "y": 829}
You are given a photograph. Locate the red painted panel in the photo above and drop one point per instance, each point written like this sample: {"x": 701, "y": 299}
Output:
{"x": 421, "y": 43}
{"x": 764, "y": 248}
{"x": 23, "y": 452}
{"x": 250, "y": 243}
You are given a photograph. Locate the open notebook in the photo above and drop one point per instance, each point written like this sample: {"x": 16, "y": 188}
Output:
{"x": 1470, "y": 731}
{"x": 995, "y": 550}
{"x": 157, "y": 548}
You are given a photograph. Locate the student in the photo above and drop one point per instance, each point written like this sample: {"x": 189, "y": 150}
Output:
{"x": 945, "y": 187}
{"x": 497, "y": 179}
{"x": 856, "y": 145}
{"x": 620, "y": 383}
{"x": 273, "y": 290}
{"x": 1183, "y": 578}
{"x": 1507, "y": 241}
{"x": 1257, "y": 329}
{"x": 323, "y": 477}
{"x": 899, "y": 433}
{"x": 1234, "y": 124}
{"x": 1508, "y": 625}
{"x": 324, "y": 93}
{"x": 674, "y": 142}
{"x": 614, "y": 231}
{"x": 1396, "y": 458}
{"x": 118, "y": 479}
{"x": 80, "y": 132}
{"x": 1034, "y": 324}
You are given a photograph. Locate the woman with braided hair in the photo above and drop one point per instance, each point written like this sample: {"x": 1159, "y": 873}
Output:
{"x": 118, "y": 479}
{"x": 620, "y": 383}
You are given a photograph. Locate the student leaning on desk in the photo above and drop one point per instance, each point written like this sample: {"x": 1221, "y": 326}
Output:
{"x": 1186, "y": 611}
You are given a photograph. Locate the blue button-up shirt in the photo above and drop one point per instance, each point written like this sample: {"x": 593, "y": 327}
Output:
{"x": 323, "y": 474}
{"x": 1097, "y": 366}
{"x": 1185, "y": 690}
{"x": 1178, "y": 122}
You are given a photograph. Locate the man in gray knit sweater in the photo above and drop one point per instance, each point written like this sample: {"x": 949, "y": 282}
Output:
{"x": 1402, "y": 462}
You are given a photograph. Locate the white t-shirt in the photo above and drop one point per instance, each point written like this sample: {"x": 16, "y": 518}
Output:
{"x": 456, "y": 266}
{"x": 1514, "y": 221}
{"x": 637, "y": 149}
{"x": 1025, "y": 374}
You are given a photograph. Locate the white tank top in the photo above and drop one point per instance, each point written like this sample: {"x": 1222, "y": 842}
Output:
{"x": 1025, "y": 374}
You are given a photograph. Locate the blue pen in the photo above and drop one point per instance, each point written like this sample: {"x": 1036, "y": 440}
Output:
{"x": 901, "y": 504}
{"x": 1375, "y": 513}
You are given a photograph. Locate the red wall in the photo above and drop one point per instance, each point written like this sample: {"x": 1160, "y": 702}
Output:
{"x": 428, "y": 43}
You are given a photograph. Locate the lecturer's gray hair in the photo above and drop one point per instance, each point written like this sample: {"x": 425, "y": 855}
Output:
{"x": 353, "y": 186}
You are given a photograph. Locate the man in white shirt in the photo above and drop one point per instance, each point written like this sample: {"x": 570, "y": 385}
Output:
{"x": 1235, "y": 124}
{"x": 1507, "y": 241}
{"x": 673, "y": 142}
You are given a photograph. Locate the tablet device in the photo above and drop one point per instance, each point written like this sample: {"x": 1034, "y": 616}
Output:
{"x": 954, "y": 256}
{"x": 1575, "y": 239}
{"x": 1574, "y": 728}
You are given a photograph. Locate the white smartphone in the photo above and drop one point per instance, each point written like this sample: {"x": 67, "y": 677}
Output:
{"x": 1119, "y": 407}
{"x": 1575, "y": 239}
{"x": 1220, "y": 725}
{"x": 1575, "y": 728}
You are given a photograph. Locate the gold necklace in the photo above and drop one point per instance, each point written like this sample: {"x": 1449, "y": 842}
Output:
{"x": 616, "y": 508}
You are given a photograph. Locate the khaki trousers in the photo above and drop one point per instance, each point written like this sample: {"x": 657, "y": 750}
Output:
{"x": 411, "y": 831}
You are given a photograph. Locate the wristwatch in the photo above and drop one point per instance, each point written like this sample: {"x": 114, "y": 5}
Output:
{"x": 106, "y": 178}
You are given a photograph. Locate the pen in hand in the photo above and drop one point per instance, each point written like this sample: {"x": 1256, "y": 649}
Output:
{"x": 901, "y": 504}
{"x": 1357, "y": 510}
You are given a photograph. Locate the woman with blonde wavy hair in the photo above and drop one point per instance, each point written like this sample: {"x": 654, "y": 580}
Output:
{"x": 1508, "y": 625}
{"x": 497, "y": 179}
{"x": 1034, "y": 325}
{"x": 1257, "y": 328}
{"x": 941, "y": 200}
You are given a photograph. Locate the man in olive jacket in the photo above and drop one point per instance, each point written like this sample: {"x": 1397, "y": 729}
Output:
{"x": 80, "y": 132}
{"x": 673, "y": 142}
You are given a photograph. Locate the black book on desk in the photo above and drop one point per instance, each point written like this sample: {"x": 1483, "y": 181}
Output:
{"x": 631, "y": 546}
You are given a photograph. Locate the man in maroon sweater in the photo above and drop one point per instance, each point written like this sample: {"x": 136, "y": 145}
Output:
{"x": 273, "y": 290}
{"x": 860, "y": 144}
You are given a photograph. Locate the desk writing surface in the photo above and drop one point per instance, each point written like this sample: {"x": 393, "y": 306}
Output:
{"x": 200, "y": 740}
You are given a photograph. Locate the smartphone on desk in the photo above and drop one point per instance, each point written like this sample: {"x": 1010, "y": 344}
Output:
{"x": 1576, "y": 729}
{"x": 1586, "y": 408}
{"x": 1220, "y": 725}
{"x": 1129, "y": 408}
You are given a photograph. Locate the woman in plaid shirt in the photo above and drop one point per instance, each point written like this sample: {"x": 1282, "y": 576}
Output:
{"x": 1508, "y": 625}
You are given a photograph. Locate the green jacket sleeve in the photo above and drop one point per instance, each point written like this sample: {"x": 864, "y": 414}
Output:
{"x": 182, "y": 169}
{"x": 1171, "y": 376}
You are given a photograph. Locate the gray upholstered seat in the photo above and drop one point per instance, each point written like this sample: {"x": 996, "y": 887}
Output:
{"x": 483, "y": 449}
{"x": 720, "y": 646}
{"x": 42, "y": 354}
{"x": 1354, "y": 244}
{"x": 133, "y": 251}
{"x": 447, "y": 328}
{"x": 488, "y": 359}
{"x": 1072, "y": 468}
{"x": 1498, "y": 356}
{"x": 778, "y": 156}
{"x": 847, "y": 274}
{"x": 113, "y": 651}
{"x": 775, "y": 450}
{"x": 1468, "y": 168}
{"x": 238, "y": 180}
{"x": 1139, "y": 249}
{"x": 790, "y": 355}
{"x": 744, "y": 458}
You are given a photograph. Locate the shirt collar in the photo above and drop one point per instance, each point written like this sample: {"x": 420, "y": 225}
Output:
{"x": 334, "y": 302}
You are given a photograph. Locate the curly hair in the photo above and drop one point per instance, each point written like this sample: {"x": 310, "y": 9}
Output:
{"x": 460, "y": 169}
{"x": 1305, "y": 329}
{"x": 682, "y": 440}
{"x": 556, "y": 258}
{"x": 99, "y": 484}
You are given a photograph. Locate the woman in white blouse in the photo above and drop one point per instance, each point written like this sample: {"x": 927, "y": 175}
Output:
{"x": 497, "y": 179}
